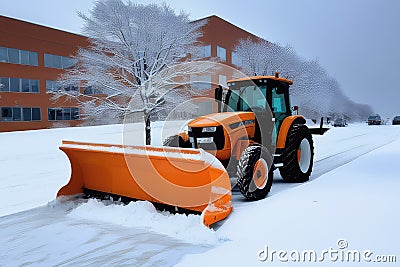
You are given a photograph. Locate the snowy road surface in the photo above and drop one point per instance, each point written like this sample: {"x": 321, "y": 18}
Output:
{"x": 77, "y": 233}
{"x": 45, "y": 236}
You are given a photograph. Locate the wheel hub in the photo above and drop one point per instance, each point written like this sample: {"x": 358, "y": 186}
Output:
{"x": 304, "y": 155}
{"x": 260, "y": 176}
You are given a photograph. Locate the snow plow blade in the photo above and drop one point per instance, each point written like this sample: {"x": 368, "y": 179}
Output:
{"x": 191, "y": 179}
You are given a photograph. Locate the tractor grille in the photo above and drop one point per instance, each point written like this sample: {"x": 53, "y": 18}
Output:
{"x": 218, "y": 139}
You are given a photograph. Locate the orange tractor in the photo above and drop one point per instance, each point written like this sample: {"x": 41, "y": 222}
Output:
{"x": 252, "y": 134}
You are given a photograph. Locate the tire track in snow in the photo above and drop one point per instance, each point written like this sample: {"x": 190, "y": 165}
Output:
{"x": 46, "y": 236}
{"x": 356, "y": 146}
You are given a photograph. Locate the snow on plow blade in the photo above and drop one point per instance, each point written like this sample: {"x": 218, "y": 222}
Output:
{"x": 186, "y": 178}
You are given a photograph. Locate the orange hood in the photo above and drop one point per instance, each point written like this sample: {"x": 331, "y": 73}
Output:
{"x": 224, "y": 118}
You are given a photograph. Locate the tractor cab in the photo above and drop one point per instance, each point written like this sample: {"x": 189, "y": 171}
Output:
{"x": 266, "y": 96}
{"x": 260, "y": 94}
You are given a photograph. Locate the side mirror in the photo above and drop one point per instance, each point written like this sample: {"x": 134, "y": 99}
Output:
{"x": 218, "y": 93}
{"x": 218, "y": 97}
{"x": 296, "y": 109}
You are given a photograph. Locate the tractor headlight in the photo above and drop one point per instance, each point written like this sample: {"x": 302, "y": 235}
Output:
{"x": 209, "y": 129}
{"x": 205, "y": 140}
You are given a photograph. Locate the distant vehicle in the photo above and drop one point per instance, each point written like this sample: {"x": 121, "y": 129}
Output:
{"x": 339, "y": 123}
{"x": 374, "y": 120}
{"x": 396, "y": 120}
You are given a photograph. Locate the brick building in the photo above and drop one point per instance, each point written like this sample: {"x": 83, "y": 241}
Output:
{"x": 33, "y": 56}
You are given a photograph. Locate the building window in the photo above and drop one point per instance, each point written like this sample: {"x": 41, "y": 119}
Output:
{"x": 5, "y": 84}
{"x": 68, "y": 62}
{"x": 70, "y": 88}
{"x": 58, "y": 62}
{"x": 24, "y": 57}
{"x": 200, "y": 82}
{"x": 222, "y": 80}
{"x": 237, "y": 59}
{"x": 27, "y": 114}
{"x": 204, "y": 107}
{"x": 6, "y": 114}
{"x": 221, "y": 53}
{"x": 92, "y": 90}
{"x": 20, "y": 114}
{"x": 16, "y": 56}
{"x": 54, "y": 86}
{"x": 63, "y": 114}
{"x": 51, "y": 86}
{"x": 36, "y": 114}
{"x": 206, "y": 51}
{"x": 15, "y": 85}
{"x": 3, "y": 54}
{"x": 19, "y": 85}
{"x": 13, "y": 55}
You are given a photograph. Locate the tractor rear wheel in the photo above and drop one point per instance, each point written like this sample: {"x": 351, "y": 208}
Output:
{"x": 298, "y": 155}
{"x": 255, "y": 173}
{"x": 177, "y": 141}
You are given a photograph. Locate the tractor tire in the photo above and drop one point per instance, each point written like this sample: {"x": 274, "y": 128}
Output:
{"x": 176, "y": 141}
{"x": 298, "y": 155}
{"x": 255, "y": 173}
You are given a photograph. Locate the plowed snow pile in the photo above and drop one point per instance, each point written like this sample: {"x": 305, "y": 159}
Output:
{"x": 143, "y": 214}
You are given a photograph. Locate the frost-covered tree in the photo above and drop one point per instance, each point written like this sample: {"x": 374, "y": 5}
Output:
{"x": 313, "y": 90}
{"x": 266, "y": 58}
{"x": 132, "y": 53}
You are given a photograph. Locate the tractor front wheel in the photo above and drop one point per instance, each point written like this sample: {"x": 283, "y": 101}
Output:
{"x": 255, "y": 173}
{"x": 298, "y": 155}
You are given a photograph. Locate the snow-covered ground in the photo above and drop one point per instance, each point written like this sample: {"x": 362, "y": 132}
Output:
{"x": 352, "y": 195}
{"x": 354, "y": 208}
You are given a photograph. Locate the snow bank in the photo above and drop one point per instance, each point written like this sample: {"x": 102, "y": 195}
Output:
{"x": 47, "y": 236}
{"x": 32, "y": 168}
{"x": 355, "y": 205}
{"x": 143, "y": 214}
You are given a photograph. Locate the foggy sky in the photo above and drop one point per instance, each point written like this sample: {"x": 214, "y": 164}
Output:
{"x": 357, "y": 41}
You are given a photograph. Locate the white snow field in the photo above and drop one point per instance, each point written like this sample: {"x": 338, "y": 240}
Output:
{"x": 349, "y": 206}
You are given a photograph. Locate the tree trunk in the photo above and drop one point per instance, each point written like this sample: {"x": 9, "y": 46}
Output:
{"x": 147, "y": 129}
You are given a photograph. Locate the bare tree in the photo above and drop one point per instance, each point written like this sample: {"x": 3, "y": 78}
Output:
{"x": 266, "y": 58}
{"x": 132, "y": 55}
{"x": 313, "y": 90}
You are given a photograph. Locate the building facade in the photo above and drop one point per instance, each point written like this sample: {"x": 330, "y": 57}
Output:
{"x": 33, "y": 56}
{"x": 219, "y": 39}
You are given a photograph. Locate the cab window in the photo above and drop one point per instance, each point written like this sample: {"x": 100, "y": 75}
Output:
{"x": 278, "y": 101}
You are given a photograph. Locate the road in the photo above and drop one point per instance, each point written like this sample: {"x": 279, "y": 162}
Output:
{"x": 46, "y": 235}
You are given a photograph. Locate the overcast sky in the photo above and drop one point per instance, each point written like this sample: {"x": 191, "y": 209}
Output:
{"x": 357, "y": 41}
